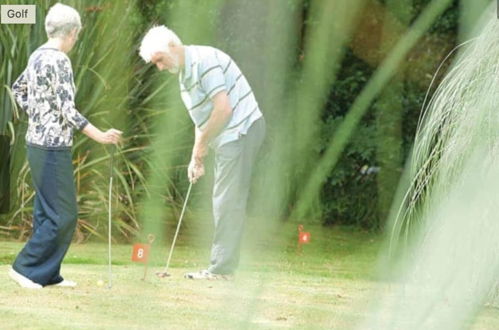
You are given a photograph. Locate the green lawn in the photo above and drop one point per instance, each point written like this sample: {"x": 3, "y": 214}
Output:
{"x": 326, "y": 287}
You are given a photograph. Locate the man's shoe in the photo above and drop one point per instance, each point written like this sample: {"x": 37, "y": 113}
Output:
{"x": 23, "y": 281}
{"x": 65, "y": 284}
{"x": 207, "y": 275}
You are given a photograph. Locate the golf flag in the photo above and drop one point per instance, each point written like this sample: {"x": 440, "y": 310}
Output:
{"x": 140, "y": 252}
{"x": 303, "y": 236}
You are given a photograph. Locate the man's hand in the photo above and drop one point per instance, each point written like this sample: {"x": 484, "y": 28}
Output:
{"x": 199, "y": 151}
{"x": 219, "y": 117}
{"x": 195, "y": 170}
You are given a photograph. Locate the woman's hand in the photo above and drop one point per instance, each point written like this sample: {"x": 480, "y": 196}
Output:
{"x": 111, "y": 136}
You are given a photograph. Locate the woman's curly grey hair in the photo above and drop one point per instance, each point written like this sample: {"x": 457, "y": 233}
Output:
{"x": 61, "y": 20}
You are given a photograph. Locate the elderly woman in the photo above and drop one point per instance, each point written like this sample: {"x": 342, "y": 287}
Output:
{"x": 45, "y": 90}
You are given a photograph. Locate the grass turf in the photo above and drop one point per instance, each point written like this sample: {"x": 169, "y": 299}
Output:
{"x": 323, "y": 288}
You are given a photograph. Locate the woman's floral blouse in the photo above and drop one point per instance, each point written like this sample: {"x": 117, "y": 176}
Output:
{"x": 46, "y": 91}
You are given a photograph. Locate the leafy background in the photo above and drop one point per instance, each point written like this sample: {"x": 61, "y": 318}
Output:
{"x": 116, "y": 89}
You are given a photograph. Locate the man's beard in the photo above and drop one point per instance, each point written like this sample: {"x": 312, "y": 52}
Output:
{"x": 175, "y": 68}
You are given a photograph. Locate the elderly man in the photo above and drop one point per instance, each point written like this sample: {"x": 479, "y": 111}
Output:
{"x": 46, "y": 92}
{"x": 227, "y": 118}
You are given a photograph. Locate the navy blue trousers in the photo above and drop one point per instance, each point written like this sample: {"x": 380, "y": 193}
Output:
{"x": 55, "y": 215}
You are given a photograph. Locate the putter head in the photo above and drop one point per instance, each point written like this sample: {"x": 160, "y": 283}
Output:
{"x": 163, "y": 274}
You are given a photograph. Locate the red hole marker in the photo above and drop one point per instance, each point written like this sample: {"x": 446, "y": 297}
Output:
{"x": 140, "y": 253}
{"x": 303, "y": 238}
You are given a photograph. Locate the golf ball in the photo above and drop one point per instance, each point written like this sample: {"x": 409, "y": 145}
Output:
{"x": 100, "y": 283}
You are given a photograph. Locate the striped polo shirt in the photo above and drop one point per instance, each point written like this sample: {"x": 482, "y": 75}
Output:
{"x": 208, "y": 71}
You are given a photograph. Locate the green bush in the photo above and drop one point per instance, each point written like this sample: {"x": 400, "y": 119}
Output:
{"x": 115, "y": 88}
{"x": 112, "y": 91}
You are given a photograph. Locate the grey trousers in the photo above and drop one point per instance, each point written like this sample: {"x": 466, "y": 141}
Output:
{"x": 234, "y": 163}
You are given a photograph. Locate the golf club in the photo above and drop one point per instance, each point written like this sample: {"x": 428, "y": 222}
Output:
{"x": 110, "y": 274}
{"x": 165, "y": 273}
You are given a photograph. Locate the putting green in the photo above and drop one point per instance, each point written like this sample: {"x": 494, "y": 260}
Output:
{"x": 326, "y": 287}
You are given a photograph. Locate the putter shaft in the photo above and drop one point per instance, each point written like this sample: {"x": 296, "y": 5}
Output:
{"x": 110, "y": 279}
{"x": 165, "y": 271}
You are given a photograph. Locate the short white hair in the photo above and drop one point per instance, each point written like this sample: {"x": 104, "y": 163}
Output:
{"x": 61, "y": 20}
{"x": 156, "y": 40}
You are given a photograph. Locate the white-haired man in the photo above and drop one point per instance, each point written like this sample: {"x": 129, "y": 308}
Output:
{"x": 46, "y": 92}
{"x": 227, "y": 118}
